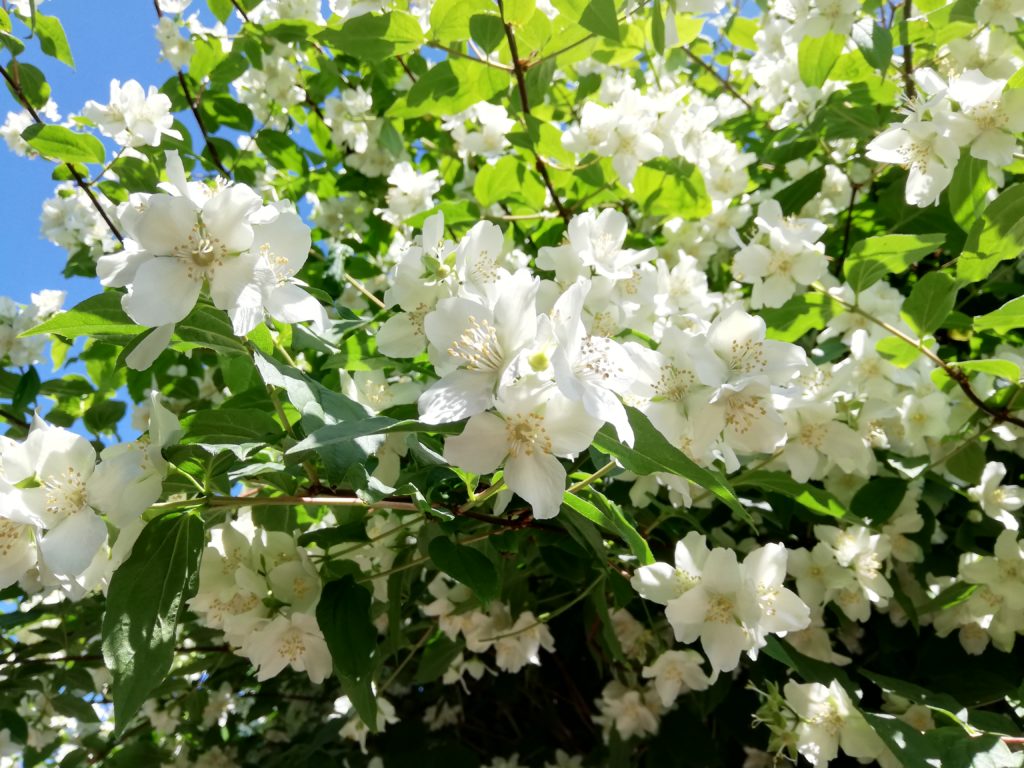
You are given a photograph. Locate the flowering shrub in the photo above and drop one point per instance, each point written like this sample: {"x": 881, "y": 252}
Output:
{"x": 522, "y": 383}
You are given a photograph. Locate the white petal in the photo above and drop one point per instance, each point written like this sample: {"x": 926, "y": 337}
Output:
{"x": 457, "y": 396}
{"x": 539, "y": 478}
{"x": 163, "y": 293}
{"x": 226, "y": 217}
{"x": 68, "y": 549}
{"x": 149, "y": 349}
{"x": 481, "y": 447}
{"x": 166, "y": 224}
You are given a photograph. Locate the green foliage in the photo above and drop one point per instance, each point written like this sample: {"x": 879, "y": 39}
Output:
{"x": 145, "y": 603}
{"x": 59, "y": 143}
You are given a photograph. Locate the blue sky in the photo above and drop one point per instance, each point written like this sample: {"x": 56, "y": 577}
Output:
{"x": 109, "y": 39}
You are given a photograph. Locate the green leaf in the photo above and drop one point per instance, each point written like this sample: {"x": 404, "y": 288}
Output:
{"x": 876, "y": 47}
{"x": 281, "y": 150}
{"x": 879, "y": 499}
{"x": 52, "y": 39}
{"x": 33, "y": 83}
{"x": 793, "y": 197}
{"x": 450, "y": 19}
{"x": 343, "y": 614}
{"x": 612, "y": 520}
{"x": 897, "y": 351}
{"x": 968, "y": 190}
{"x": 802, "y": 314}
{"x": 467, "y": 566}
{"x": 930, "y": 302}
{"x": 817, "y": 55}
{"x": 450, "y": 87}
{"x": 100, "y": 317}
{"x": 104, "y": 416}
{"x": 1004, "y": 319}
{"x": 209, "y": 328}
{"x": 341, "y": 434}
{"x": 59, "y": 143}
{"x": 676, "y": 188}
{"x": 872, "y": 259}
{"x": 437, "y": 656}
{"x": 996, "y": 237}
{"x": 145, "y": 602}
{"x": 653, "y": 453}
{"x": 487, "y": 30}
{"x": 597, "y": 16}
{"x": 375, "y": 38}
{"x": 229, "y": 426}
{"x": 818, "y": 500}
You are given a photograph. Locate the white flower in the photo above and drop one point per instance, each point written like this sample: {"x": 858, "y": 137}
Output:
{"x": 53, "y": 468}
{"x": 133, "y": 117}
{"x": 828, "y": 721}
{"x": 184, "y": 240}
{"x": 595, "y": 242}
{"x": 176, "y": 48}
{"x": 996, "y": 500}
{"x": 533, "y": 425}
{"x": 925, "y": 151}
{"x": 677, "y": 672}
{"x": 627, "y": 711}
{"x": 730, "y": 607}
{"x": 590, "y": 369}
{"x": 410, "y": 192}
{"x": 129, "y": 477}
{"x": 992, "y": 114}
{"x": 790, "y": 256}
{"x": 294, "y": 641}
{"x": 472, "y": 344}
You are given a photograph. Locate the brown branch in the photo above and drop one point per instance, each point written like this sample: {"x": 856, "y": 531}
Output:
{"x": 405, "y": 67}
{"x": 241, "y": 11}
{"x": 81, "y": 182}
{"x": 14, "y": 418}
{"x": 908, "y": 52}
{"x": 520, "y": 70}
{"x": 99, "y": 656}
{"x": 717, "y": 75}
{"x": 193, "y": 104}
{"x": 999, "y": 415}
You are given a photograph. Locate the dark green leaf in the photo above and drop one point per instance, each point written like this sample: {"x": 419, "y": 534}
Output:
{"x": 930, "y": 302}
{"x": 146, "y": 597}
{"x": 343, "y": 614}
{"x": 614, "y": 521}
{"x": 653, "y": 453}
{"x": 818, "y": 500}
{"x": 467, "y": 566}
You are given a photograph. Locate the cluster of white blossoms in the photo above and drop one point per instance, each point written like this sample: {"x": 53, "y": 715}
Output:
{"x": 70, "y": 221}
{"x": 16, "y": 318}
{"x": 730, "y": 606}
{"x": 133, "y": 117}
{"x": 516, "y": 643}
{"x": 677, "y": 123}
{"x": 223, "y": 237}
{"x": 988, "y": 118}
{"x": 57, "y": 498}
{"x": 243, "y": 572}
{"x": 993, "y": 609}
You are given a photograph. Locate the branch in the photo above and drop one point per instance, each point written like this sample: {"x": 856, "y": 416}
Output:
{"x": 999, "y": 415}
{"x": 13, "y": 418}
{"x": 193, "y": 104}
{"x": 717, "y": 75}
{"x": 908, "y": 52}
{"x": 519, "y": 70}
{"x": 81, "y": 182}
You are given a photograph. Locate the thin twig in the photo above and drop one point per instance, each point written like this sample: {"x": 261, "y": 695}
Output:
{"x": 81, "y": 182}
{"x": 715, "y": 74}
{"x": 1000, "y": 415}
{"x": 908, "y": 52}
{"x": 519, "y": 70}
{"x": 241, "y": 11}
{"x": 193, "y": 104}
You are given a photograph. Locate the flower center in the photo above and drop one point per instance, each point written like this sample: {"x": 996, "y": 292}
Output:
{"x": 526, "y": 434}
{"x": 65, "y": 494}
{"x": 478, "y": 346}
